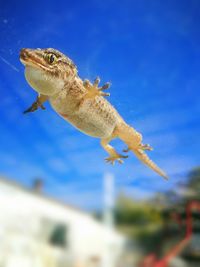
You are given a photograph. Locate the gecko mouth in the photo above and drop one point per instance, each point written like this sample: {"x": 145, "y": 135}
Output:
{"x": 29, "y": 57}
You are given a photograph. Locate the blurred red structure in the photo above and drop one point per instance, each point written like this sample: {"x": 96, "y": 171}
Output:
{"x": 152, "y": 260}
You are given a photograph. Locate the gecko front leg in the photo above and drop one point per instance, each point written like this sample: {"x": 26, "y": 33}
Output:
{"x": 93, "y": 89}
{"x": 37, "y": 104}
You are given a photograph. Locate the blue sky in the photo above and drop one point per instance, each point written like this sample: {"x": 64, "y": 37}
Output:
{"x": 149, "y": 50}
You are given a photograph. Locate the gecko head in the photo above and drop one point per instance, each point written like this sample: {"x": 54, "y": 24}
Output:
{"x": 47, "y": 70}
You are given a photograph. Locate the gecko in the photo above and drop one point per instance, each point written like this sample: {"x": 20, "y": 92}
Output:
{"x": 82, "y": 103}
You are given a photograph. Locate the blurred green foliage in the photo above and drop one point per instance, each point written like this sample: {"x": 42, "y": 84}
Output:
{"x": 151, "y": 223}
{"x": 194, "y": 182}
{"x": 130, "y": 212}
{"x": 140, "y": 221}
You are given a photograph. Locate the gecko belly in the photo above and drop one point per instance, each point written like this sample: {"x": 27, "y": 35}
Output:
{"x": 93, "y": 118}
{"x": 88, "y": 126}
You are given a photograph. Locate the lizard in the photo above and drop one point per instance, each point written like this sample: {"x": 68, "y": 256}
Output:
{"x": 55, "y": 78}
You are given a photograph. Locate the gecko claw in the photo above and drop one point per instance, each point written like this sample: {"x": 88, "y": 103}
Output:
{"x": 42, "y": 107}
{"x": 96, "y": 82}
{"x": 105, "y": 94}
{"x": 117, "y": 158}
{"x": 105, "y": 86}
{"x": 146, "y": 147}
{"x": 126, "y": 150}
{"x": 34, "y": 107}
{"x": 141, "y": 146}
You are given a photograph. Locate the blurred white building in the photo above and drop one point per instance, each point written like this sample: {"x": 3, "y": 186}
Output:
{"x": 37, "y": 231}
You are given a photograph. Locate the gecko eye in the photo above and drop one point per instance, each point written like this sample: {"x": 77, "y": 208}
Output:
{"x": 51, "y": 58}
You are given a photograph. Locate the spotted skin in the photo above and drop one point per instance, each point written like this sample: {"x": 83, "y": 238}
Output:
{"x": 82, "y": 103}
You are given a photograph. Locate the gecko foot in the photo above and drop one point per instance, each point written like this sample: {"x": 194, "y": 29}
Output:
{"x": 93, "y": 89}
{"x": 146, "y": 147}
{"x": 34, "y": 107}
{"x": 118, "y": 158}
{"x": 126, "y": 150}
{"x": 141, "y": 146}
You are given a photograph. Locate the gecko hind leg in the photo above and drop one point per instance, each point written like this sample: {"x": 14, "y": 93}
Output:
{"x": 133, "y": 140}
{"x": 93, "y": 89}
{"x": 114, "y": 156}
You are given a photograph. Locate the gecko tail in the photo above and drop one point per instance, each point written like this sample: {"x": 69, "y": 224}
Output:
{"x": 140, "y": 154}
{"x": 133, "y": 139}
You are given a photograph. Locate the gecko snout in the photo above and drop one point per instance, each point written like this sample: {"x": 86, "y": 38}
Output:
{"x": 24, "y": 53}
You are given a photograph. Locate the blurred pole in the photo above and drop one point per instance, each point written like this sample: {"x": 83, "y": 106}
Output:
{"x": 108, "y": 200}
{"x": 108, "y": 218}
